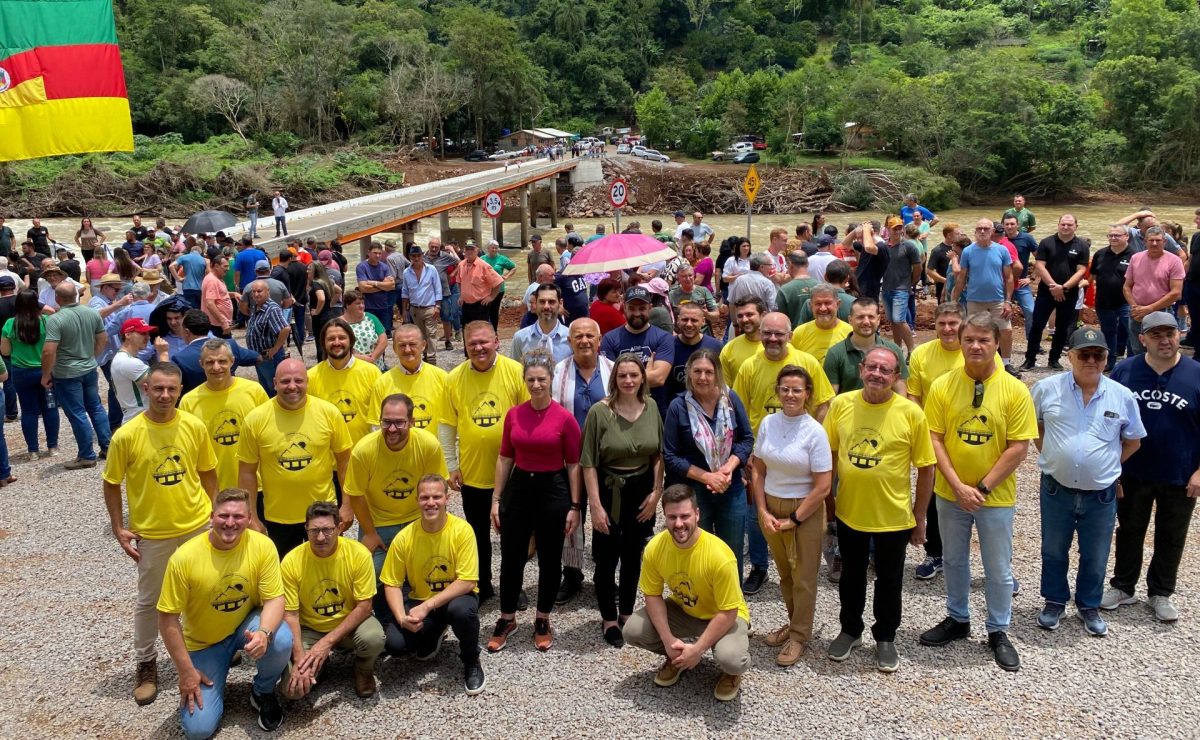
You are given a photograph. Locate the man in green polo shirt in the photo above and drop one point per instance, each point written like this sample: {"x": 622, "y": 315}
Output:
{"x": 837, "y": 274}
{"x": 841, "y": 364}
{"x": 1025, "y": 218}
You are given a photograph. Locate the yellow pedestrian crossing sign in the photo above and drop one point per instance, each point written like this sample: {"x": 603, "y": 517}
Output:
{"x": 751, "y": 183}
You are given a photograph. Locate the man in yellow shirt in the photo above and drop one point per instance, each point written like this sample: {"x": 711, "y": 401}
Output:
{"x": 826, "y": 329}
{"x": 328, "y": 587}
{"x": 440, "y": 563}
{"x": 421, "y": 381}
{"x": 877, "y": 437}
{"x": 292, "y": 444}
{"x": 342, "y": 379}
{"x": 479, "y": 392}
{"x": 982, "y": 421}
{"x": 169, "y": 470}
{"x": 706, "y": 603}
{"x": 222, "y": 403}
{"x": 748, "y": 315}
{"x": 226, "y": 590}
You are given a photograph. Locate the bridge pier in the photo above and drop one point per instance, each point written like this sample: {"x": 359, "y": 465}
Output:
{"x": 364, "y": 246}
{"x": 525, "y": 217}
{"x": 444, "y": 226}
{"x": 553, "y": 203}
{"x": 477, "y": 223}
{"x": 408, "y": 233}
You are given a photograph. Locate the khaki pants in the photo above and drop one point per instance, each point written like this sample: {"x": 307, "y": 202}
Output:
{"x": 732, "y": 652}
{"x": 426, "y": 320}
{"x": 152, "y": 567}
{"x": 366, "y": 642}
{"x": 797, "y": 554}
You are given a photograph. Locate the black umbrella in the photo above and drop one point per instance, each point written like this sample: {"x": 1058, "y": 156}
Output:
{"x": 209, "y": 222}
{"x": 158, "y": 317}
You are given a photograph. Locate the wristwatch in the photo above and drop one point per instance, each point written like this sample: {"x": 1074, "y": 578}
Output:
{"x": 792, "y": 516}
{"x": 268, "y": 633}
{"x": 982, "y": 488}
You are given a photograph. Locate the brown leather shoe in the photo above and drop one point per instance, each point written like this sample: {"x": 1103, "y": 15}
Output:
{"x": 145, "y": 686}
{"x": 792, "y": 651}
{"x": 779, "y": 636}
{"x": 364, "y": 682}
{"x": 727, "y": 687}
{"x": 668, "y": 675}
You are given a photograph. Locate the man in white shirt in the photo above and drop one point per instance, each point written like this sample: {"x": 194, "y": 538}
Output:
{"x": 128, "y": 371}
{"x": 279, "y": 206}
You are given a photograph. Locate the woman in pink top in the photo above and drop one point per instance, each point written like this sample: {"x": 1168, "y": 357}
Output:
{"x": 537, "y": 494}
{"x": 97, "y": 267}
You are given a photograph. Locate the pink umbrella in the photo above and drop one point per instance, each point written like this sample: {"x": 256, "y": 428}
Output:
{"x": 618, "y": 252}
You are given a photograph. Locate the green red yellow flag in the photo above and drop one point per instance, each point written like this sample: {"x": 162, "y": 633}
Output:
{"x": 62, "y": 88}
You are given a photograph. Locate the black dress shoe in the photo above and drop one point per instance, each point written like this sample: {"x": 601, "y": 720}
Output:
{"x": 614, "y": 637}
{"x": 754, "y": 582}
{"x": 946, "y": 632}
{"x": 1055, "y": 365}
{"x": 1028, "y": 365}
{"x": 486, "y": 591}
{"x": 568, "y": 590}
{"x": 1006, "y": 654}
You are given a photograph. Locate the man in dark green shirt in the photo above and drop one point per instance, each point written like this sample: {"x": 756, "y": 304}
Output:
{"x": 794, "y": 294}
{"x": 841, "y": 364}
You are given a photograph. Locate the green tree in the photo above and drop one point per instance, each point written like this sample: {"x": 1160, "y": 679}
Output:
{"x": 841, "y": 53}
{"x": 822, "y": 130}
{"x": 655, "y": 117}
{"x": 1139, "y": 27}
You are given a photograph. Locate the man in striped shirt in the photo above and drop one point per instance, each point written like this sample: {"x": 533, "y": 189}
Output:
{"x": 267, "y": 332}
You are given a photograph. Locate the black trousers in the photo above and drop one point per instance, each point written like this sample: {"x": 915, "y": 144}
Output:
{"x": 624, "y": 543}
{"x": 933, "y": 535}
{"x": 494, "y": 310}
{"x": 534, "y": 504}
{"x": 890, "y": 548}
{"x": 287, "y": 537}
{"x": 477, "y": 509}
{"x": 461, "y": 615}
{"x": 1064, "y": 321}
{"x": 475, "y": 312}
{"x": 1172, "y": 509}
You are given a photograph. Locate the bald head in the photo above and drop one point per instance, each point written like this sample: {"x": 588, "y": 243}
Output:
{"x": 65, "y": 294}
{"x": 290, "y": 365}
{"x": 544, "y": 274}
{"x": 775, "y": 333}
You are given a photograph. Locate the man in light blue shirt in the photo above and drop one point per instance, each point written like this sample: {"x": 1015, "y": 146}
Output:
{"x": 548, "y": 332}
{"x": 420, "y": 296}
{"x": 987, "y": 282}
{"x": 1087, "y": 426}
{"x": 190, "y": 269}
{"x": 910, "y": 206}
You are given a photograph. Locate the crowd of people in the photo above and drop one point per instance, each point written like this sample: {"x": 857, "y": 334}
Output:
{"x": 751, "y": 400}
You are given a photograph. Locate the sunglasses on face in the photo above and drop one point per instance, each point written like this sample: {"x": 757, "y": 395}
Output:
{"x": 1093, "y": 356}
{"x": 977, "y": 401}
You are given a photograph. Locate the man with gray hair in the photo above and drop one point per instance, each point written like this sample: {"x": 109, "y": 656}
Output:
{"x": 757, "y": 282}
{"x": 74, "y": 337}
{"x": 5, "y": 272}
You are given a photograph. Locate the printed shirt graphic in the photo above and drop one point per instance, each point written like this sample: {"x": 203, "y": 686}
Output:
{"x": 703, "y": 578}
{"x": 756, "y": 381}
{"x": 475, "y": 405}
{"x": 215, "y": 589}
{"x": 160, "y": 465}
{"x": 426, "y": 388}
{"x": 349, "y": 390}
{"x": 224, "y": 413}
{"x": 431, "y": 562}
{"x": 325, "y": 590}
{"x": 294, "y": 451}
{"x": 976, "y": 437}
{"x": 876, "y": 446}
{"x": 389, "y": 479}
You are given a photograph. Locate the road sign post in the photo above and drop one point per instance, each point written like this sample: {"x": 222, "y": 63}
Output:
{"x": 750, "y": 187}
{"x": 618, "y": 196}
{"x": 493, "y": 206}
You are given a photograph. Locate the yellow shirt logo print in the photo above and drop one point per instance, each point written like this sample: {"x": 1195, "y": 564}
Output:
{"x": 329, "y": 601}
{"x": 975, "y": 430}
{"x": 865, "y": 452}
{"x": 295, "y": 456}
{"x": 170, "y": 470}
{"x": 439, "y": 573}
{"x": 230, "y": 594}
{"x": 485, "y": 410}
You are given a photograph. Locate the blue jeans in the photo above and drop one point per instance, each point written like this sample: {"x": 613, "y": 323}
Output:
{"x": 115, "y": 414}
{"x": 253, "y": 224}
{"x": 192, "y": 296}
{"x": 895, "y": 305}
{"x": 10, "y": 391}
{"x": 1114, "y": 324}
{"x": 28, "y": 383}
{"x": 1135, "y": 345}
{"x": 1024, "y": 298}
{"x": 911, "y": 319}
{"x": 995, "y": 525}
{"x": 280, "y": 225}
{"x": 213, "y": 661}
{"x": 266, "y": 372}
{"x": 5, "y": 466}
{"x": 80, "y": 401}
{"x": 451, "y": 312}
{"x": 757, "y": 542}
{"x": 724, "y": 514}
{"x": 1065, "y": 511}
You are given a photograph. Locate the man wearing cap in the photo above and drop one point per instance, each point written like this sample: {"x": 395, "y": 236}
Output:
{"x": 757, "y": 282}
{"x": 445, "y": 260}
{"x": 128, "y": 371}
{"x": 52, "y": 277}
{"x": 536, "y": 257}
{"x": 1088, "y": 425}
{"x": 104, "y": 300}
{"x": 478, "y": 285}
{"x": 74, "y": 337}
{"x": 275, "y": 289}
{"x": 1163, "y": 476}
{"x": 911, "y": 206}
{"x": 375, "y": 282}
{"x": 421, "y": 296}
{"x": 154, "y": 279}
{"x": 655, "y": 347}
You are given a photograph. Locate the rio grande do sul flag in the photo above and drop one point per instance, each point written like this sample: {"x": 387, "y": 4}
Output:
{"x": 62, "y": 89}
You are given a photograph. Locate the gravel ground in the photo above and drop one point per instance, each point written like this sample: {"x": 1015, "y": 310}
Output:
{"x": 72, "y": 677}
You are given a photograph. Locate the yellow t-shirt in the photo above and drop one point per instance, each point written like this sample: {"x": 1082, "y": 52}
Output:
{"x": 348, "y": 389}
{"x": 426, "y": 388}
{"x": 876, "y": 445}
{"x": 734, "y": 353}
{"x": 816, "y": 341}
{"x": 703, "y": 578}
{"x": 976, "y": 437}
{"x": 931, "y": 361}
{"x": 215, "y": 589}
{"x": 294, "y": 451}
{"x": 756, "y": 381}
{"x": 161, "y": 464}
{"x": 224, "y": 413}
{"x": 325, "y": 590}
{"x": 431, "y": 562}
{"x": 475, "y": 405}
{"x": 389, "y": 479}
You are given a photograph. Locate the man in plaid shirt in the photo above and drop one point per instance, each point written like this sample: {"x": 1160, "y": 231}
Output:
{"x": 267, "y": 333}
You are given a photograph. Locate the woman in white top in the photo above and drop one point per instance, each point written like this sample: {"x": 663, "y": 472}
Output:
{"x": 738, "y": 262}
{"x": 791, "y": 475}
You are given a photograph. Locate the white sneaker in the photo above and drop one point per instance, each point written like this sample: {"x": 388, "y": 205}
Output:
{"x": 1164, "y": 610}
{"x": 1114, "y": 597}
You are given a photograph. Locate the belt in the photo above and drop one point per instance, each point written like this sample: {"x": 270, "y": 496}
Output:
{"x": 411, "y": 306}
{"x": 615, "y": 480}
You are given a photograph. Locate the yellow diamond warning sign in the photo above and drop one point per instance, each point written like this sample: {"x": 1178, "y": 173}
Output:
{"x": 751, "y": 184}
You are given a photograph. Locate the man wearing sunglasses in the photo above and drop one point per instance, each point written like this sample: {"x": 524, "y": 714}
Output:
{"x": 1087, "y": 426}
{"x": 1162, "y": 476}
{"x": 981, "y": 422}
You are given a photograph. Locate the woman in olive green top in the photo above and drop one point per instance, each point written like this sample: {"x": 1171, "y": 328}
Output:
{"x": 623, "y": 473}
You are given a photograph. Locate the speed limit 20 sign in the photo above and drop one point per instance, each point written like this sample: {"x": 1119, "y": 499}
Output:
{"x": 618, "y": 193}
{"x": 493, "y": 204}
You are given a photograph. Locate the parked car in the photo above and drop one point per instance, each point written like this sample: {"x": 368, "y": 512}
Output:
{"x": 760, "y": 144}
{"x": 501, "y": 154}
{"x": 623, "y": 149}
{"x": 749, "y": 157}
{"x": 653, "y": 155}
{"x": 637, "y": 150}
{"x": 741, "y": 146}
{"x": 476, "y": 156}
{"x": 719, "y": 155}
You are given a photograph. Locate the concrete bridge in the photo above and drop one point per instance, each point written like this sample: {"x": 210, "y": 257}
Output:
{"x": 400, "y": 210}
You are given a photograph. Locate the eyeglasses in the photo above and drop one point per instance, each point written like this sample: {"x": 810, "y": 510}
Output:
{"x": 773, "y": 333}
{"x": 1095, "y": 356}
{"x": 980, "y": 229}
{"x": 978, "y": 400}
{"x": 787, "y": 390}
{"x": 881, "y": 369}
{"x": 393, "y": 423}
{"x": 316, "y": 532}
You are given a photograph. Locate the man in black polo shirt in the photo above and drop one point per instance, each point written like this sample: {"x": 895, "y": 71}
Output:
{"x": 1026, "y": 248}
{"x": 1062, "y": 259}
{"x": 869, "y": 271}
{"x": 1108, "y": 275}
